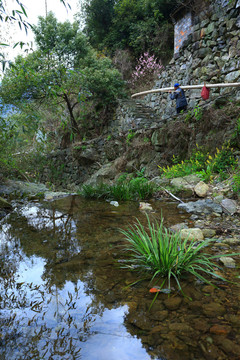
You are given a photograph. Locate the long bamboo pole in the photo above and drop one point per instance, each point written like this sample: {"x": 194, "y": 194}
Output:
{"x": 187, "y": 87}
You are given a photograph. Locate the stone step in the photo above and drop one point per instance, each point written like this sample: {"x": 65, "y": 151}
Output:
{"x": 136, "y": 115}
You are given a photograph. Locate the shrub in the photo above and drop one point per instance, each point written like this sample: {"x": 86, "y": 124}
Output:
{"x": 203, "y": 164}
{"x": 236, "y": 183}
{"x": 223, "y": 159}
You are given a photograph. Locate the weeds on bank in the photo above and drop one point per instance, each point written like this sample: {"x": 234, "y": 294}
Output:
{"x": 236, "y": 183}
{"x": 196, "y": 113}
{"x": 203, "y": 164}
{"x": 163, "y": 254}
{"x": 133, "y": 188}
{"x": 130, "y": 136}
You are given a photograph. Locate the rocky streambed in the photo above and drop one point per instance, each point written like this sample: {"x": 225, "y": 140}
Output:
{"x": 64, "y": 294}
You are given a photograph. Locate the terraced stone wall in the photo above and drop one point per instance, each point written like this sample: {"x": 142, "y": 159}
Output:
{"x": 209, "y": 53}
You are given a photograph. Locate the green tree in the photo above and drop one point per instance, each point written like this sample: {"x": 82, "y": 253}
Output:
{"x": 63, "y": 72}
{"x": 135, "y": 25}
{"x": 98, "y": 19}
{"x": 16, "y": 15}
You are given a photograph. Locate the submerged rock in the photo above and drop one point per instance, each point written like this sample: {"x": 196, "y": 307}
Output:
{"x": 159, "y": 315}
{"x": 192, "y": 234}
{"x": 213, "y": 309}
{"x": 173, "y": 303}
{"x": 219, "y": 329}
{"x": 181, "y": 328}
{"x": 230, "y": 347}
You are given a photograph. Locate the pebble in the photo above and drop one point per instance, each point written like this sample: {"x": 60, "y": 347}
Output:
{"x": 229, "y": 347}
{"x": 181, "y": 328}
{"x": 114, "y": 203}
{"x": 145, "y": 206}
{"x": 213, "y": 309}
{"x": 231, "y": 241}
{"x": 219, "y": 330}
{"x": 228, "y": 261}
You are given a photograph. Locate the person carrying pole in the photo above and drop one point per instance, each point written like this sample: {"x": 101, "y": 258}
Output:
{"x": 179, "y": 95}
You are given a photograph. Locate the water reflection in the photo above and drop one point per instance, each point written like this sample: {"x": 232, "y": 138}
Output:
{"x": 57, "y": 270}
{"x": 64, "y": 296}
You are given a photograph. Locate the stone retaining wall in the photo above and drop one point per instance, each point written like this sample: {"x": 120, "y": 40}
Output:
{"x": 211, "y": 53}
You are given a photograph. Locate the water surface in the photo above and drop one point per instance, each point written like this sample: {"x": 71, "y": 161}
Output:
{"x": 65, "y": 296}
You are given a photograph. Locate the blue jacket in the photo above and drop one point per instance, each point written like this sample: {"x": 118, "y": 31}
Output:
{"x": 179, "y": 95}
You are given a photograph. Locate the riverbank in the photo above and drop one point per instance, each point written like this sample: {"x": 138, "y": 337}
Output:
{"x": 210, "y": 206}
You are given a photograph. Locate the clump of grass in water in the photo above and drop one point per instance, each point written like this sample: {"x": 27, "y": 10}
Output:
{"x": 137, "y": 188}
{"x": 164, "y": 254}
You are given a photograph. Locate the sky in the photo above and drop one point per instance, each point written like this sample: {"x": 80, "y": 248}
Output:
{"x": 34, "y": 8}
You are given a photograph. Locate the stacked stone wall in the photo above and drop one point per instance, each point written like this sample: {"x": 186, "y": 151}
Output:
{"x": 209, "y": 53}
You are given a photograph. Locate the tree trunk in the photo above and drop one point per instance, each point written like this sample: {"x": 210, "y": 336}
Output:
{"x": 74, "y": 124}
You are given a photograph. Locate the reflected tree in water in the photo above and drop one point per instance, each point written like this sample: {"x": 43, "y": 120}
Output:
{"x": 45, "y": 319}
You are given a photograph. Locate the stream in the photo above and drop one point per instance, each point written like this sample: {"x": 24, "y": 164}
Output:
{"x": 64, "y": 294}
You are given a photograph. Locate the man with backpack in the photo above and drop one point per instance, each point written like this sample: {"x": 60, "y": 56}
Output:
{"x": 179, "y": 95}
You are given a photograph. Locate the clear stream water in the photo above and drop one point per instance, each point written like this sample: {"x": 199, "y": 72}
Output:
{"x": 64, "y": 295}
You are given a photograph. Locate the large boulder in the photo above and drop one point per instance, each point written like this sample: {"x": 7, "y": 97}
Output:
{"x": 201, "y": 207}
{"x": 105, "y": 174}
{"x": 21, "y": 188}
{"x": 185, "y": 183}
{"x": 87, "y": 155}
